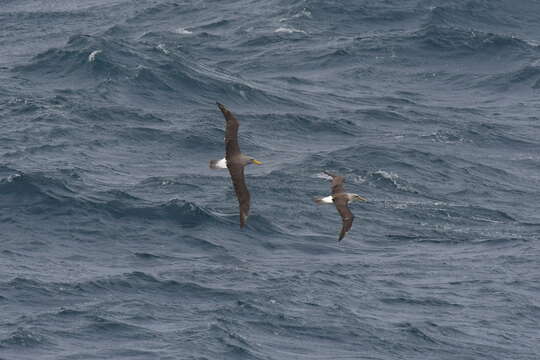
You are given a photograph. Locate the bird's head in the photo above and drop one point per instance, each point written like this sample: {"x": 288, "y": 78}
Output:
{"x": 254, "y": 161}
{"x": 357, "y": 197}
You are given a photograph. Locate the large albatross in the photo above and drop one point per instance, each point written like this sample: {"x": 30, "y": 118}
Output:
{"x": 341, "y": 199}
{"x": 235, "y": 161}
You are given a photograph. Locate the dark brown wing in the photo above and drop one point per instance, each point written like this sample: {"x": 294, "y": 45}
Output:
{"x": 242, "y": 193}
{"x": 341, "y": 202}
{"x": 231, "y": 133}
{"x": 337, "y": 183}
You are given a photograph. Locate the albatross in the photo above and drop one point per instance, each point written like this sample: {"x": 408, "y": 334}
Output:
{"x": 235, "y": 161}
{"x": 341, "y": 200}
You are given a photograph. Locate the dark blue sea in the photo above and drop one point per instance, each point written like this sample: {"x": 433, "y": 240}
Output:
{"x": 118, "y": 242}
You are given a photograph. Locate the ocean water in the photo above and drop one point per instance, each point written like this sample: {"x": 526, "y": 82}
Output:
{"x": 118, "y": 242}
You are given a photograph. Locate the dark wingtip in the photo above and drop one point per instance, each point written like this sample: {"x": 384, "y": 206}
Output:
{"x": 342, "y": 234}
{"x": 223, "y": 109}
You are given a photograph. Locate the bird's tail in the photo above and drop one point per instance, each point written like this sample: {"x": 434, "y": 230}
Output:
{"x": 319, "y": 200}
{"x": 213, "y": 164}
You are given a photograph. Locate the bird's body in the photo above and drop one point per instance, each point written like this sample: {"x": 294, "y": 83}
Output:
{"x": 235, "y": 161}
{"x": 341, "y": 200}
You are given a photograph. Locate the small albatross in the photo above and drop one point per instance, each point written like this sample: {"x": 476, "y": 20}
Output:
{"x": 235, "y": 161}
{"x": 340, "y": 199}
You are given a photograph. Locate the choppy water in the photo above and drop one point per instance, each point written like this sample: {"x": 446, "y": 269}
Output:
{"x": 118, "y": 242}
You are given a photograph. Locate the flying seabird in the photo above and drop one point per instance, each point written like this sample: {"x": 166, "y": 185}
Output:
{"x": 340, "y": 199}
{"x": 235, "y": 161}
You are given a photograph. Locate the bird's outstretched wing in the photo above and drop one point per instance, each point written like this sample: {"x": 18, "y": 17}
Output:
{"x": 341, "y": 202}
{"x": 232, "y": 148}
{"x": 337, "y": 183}
{"x": 242, "y": 193}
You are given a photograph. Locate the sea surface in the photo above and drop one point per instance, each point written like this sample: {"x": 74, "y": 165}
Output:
{"x": 118, "y": 242}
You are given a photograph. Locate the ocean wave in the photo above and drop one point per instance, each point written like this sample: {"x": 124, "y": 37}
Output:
{"x": 93, "y": 54}
{"x": 79, "y": 60}
{"x": 390, "y": 178}
{"x": 457, "y": 214}
{"x": 149, "y": 256}
{"x": 352, "y": 12}
{"x": 183, "y": 31}
{"x": 29, "y": 291}
{"x": 138, "y": 281}
{"x": 36, "y": 187}
{"x": 131, "y": 282}
{"x": 214, "y": 24}
{"x": 264, "y": 225}
{"x": 446, "y": 136}
{"x": 527, "y": 76}
{"x": 23, "y": 338}
{"x": 376, "y": 114}
{"x": 472, "y": 14}
{"x": 438, "y": 38}
{"x": 186, "y": 139}
{"x": 302, "y": 124}
{"x": 419, "y": 301}
{"x": 126, "y": 67}
{"x": 235, "y": 345}
{"x": 116, "y": 115}
{"x": 417, "y": 333}
{"x": 264, "y": 39}
{"x": 161, "y": 11}
{"x": 182, "y": 212}
{"x": 102, "y": 326}
{"x": 288, "y": 30}
{"x": 43, "y": 194}
{"x": 74, "y": 14}
{"x": 406, "y": 49}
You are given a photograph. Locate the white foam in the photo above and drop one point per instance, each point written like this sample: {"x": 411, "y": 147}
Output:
{"x": 183, "y": 31}
{"x": 393, "y": 177}
{"x": 486, "y": 219}
{"x": 12, "y": 177}
{"x": 288, "y": 30}
{"x": 304, "y": 13}
{"x": 387, "y": 175}
{"x": 322, "y": 175}
{"x": 93, "y": 54}
{"x": 163, "y": 49}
